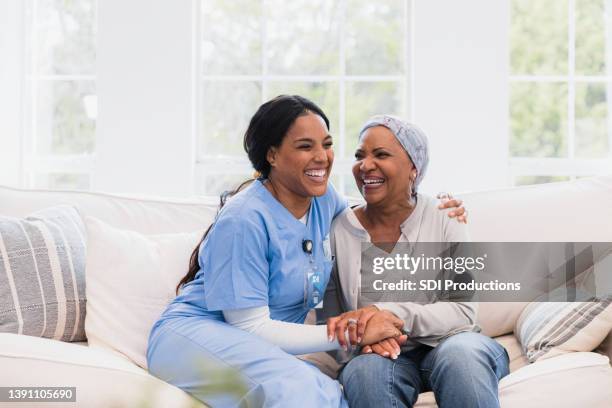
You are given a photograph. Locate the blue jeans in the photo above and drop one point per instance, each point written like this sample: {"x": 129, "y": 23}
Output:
{"x": 463, "y": 371}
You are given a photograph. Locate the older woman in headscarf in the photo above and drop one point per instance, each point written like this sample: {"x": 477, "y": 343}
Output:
{"x": 443, "y": 353}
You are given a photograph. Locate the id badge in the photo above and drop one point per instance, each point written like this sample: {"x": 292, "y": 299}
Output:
{"x": 313, "y": 290}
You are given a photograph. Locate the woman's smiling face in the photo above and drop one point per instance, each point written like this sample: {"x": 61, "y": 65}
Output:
{"x": 383, "y": 170}
{"x": 304, "y": 159}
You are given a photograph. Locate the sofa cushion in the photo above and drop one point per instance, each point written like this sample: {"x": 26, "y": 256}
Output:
{"x": 572, "y": 380}
{"x": 547, "y": 329}
{"x": 42, "y": 274}
{"x": 515, "y": 351}
{"x": 131, "y": 278}
{"x": 102, "y": 378}
{"x": 566, "y": 381}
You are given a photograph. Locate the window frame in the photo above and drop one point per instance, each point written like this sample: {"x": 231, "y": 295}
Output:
{"x": 33, "y": 163}
{"x": 211, "y": 165}
{"x": 569, "y": 166}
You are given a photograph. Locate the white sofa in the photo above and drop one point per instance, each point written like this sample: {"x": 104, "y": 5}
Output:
{"x": 569, "y": 211}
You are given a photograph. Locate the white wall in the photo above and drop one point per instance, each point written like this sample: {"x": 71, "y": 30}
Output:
{"x": 461, "y": 91}
{"x": 11, "y": 71}
{"x": 144, "y": 140}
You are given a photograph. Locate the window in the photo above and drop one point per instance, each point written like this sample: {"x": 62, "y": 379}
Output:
{"x": 560, "y": 89}
{"x": 348, "y": 56}
{"x": 60, "y": 108}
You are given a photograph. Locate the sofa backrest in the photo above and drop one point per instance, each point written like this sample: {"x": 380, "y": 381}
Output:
{"x": 573, "y": 211}
{"x": 579, "y": 210}
{"x": 145, "y": 215}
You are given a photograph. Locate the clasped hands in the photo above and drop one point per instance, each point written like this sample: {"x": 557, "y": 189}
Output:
{"x": 378, "y": 331}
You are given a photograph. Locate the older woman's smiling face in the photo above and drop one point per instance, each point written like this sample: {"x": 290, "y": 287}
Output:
{"x": 383, "y": 170}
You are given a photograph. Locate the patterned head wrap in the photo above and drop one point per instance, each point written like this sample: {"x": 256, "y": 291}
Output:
{"x": 412, "y": 139}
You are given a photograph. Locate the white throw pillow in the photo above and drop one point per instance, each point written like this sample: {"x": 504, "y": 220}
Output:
{"x": 131, "y": 278}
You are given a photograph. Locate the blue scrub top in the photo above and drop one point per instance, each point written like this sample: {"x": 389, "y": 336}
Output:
{"x": 253, "y": 256}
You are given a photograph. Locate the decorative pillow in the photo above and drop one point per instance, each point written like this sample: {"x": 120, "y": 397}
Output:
{"x": 547, "y": 329}
{"x": 498, "y": 318}
{"x": 42, "y": 274}
{"x": 131, "y": 278}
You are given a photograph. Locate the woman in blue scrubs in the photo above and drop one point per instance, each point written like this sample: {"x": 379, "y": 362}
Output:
{"x": 263, "y": 264}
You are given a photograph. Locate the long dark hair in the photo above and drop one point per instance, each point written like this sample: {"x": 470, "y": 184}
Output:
{"x": 267, "y": 129}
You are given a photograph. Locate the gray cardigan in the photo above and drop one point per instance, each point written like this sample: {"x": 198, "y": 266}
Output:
{"x": 427, "y": 323}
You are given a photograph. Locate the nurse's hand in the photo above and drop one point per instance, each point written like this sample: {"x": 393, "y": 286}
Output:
{"x": 387, "y": 348}
{"x": 354, "y": 321}
{"x": 382, "y": 325}
{"x": 447, "y": 201}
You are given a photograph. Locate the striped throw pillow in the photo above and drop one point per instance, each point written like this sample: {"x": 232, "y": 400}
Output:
{"x": 547, "y": 329}
{"x": 42, "y": 274}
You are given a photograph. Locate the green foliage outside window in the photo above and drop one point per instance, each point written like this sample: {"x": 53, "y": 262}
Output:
{"x": 539, "y": 108}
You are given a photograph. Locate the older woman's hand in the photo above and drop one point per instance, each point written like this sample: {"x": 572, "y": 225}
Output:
{"x": 387, "y": 348}
{"x": 355, "y": 321}
{"x": 447, "y": 201}
{"x": 382, "y": 325}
